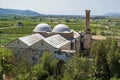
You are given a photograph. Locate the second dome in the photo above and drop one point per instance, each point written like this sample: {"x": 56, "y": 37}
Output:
{"x": 61, "y": 28}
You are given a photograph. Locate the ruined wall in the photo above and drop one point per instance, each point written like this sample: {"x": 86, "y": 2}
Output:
{"x": 87, "y": 41}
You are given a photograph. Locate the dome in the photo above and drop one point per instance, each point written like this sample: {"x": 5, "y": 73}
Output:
{"x": 43, "y": 27}
{"x": 60, "y": 28}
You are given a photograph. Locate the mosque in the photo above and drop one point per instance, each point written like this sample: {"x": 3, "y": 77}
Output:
{"x": 61, "y": 41}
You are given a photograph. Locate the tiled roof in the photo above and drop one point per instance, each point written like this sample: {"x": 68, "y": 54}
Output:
{"x": 32, "y": 39}
{"x": 56, "y": 41}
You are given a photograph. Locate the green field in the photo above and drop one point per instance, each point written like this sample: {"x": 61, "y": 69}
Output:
{"x": 6, "y": 38}
{"x": 10, "y": 30}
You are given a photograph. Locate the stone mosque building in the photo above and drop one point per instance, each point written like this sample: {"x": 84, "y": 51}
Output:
{"x": 61, "y": 41}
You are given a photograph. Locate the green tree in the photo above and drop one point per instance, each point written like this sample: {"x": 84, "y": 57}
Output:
{"x": 67, "y": 20}
{"x": 5, "y": 61}
{"x": 103, "y": 33}
{"x": 45, "y": 69}
{"x": 106, "y": 57}
{"x": 21, "y": 70}
{"x": 77, "y": 69}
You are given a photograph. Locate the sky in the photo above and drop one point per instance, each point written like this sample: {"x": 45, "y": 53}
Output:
{"x": 66, "y": 7}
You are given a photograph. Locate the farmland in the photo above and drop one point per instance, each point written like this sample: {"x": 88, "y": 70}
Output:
{"x": 10, "y": 27}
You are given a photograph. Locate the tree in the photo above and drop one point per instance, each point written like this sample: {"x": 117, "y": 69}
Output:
{"x": 77, "y": 69}
{"x": 106, "y": 57}
{"x": 5, "y": 61}
{"x": 102, "y": 69}
{"x": 20, "y": 24}
{"x": 45, "y": 69}
{"x": 67, "y": 20}
{"x": 103, "y": 33}
{"x": 21, "y": 70}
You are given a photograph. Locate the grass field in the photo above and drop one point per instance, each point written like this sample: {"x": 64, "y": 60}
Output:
{"x": 9, "y": 29}
{"x": 6, "y": 38}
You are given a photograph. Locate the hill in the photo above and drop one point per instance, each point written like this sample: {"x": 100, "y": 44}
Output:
{"x": 113, "y": 14}
{"x": 7, "y": 12}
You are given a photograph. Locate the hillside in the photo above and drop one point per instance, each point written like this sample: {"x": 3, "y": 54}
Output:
{"x": 113, "y": 14}
{"x": 7, "y": 12}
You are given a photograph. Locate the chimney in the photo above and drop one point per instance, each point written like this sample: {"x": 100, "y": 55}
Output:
{"x": 87, "y": 30}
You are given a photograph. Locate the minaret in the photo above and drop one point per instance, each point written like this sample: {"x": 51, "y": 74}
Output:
{"x": 87, "y": 30}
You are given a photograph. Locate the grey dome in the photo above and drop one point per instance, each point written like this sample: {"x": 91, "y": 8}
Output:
{"x": 43, "y": 27}
{"x": 61, "y": 28}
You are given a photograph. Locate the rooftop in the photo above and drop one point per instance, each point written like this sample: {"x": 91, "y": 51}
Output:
{"x": 56, "y": 40}
{"x": 32, "y": 39}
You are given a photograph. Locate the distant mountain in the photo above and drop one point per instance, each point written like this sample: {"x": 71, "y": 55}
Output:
{"x": 7, "y": 12}
{"x": 113, "y": 14}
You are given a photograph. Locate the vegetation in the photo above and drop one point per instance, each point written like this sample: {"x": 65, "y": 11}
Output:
{"x": 103, "y": 63}
{"x": 106, "y": 57}
{"x": 77, "y": 69}
{"x": 45, "y": 70}
{"x": 7, "y": 38}
{"x": 99, "y": 25}
{"x": 5, "y": 62}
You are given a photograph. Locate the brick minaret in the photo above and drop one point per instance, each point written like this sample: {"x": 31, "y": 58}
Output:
{"x": 87, "y": 30}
